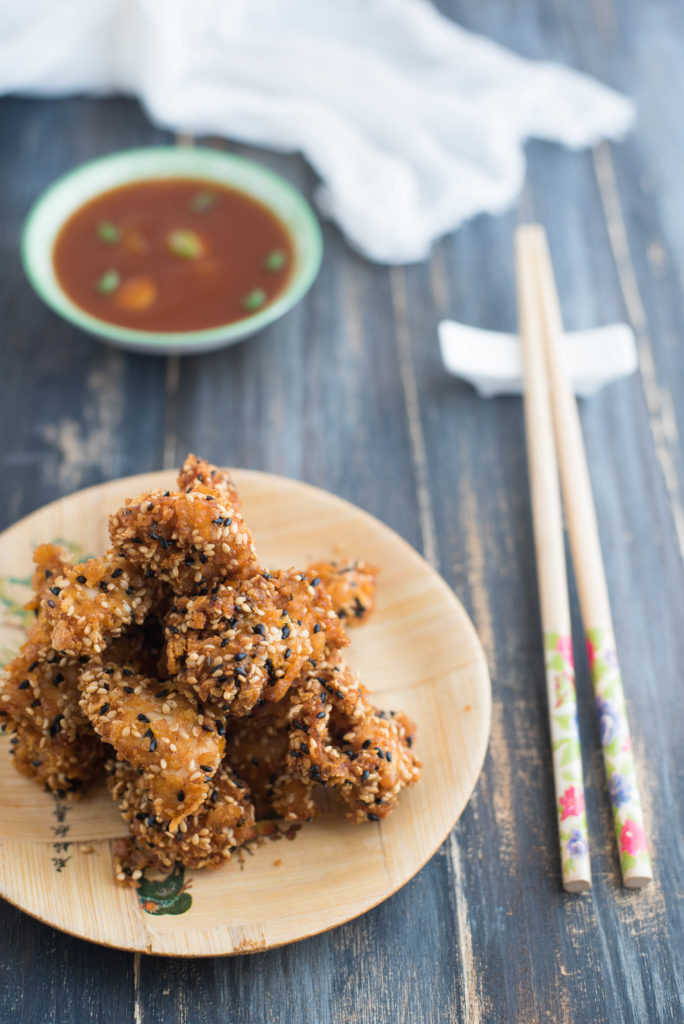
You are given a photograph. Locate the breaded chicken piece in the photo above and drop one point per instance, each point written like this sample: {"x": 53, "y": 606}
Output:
{"x": 39, "y": 700}
{"x": 191, "y": 540}
{"x": 93, "y": 602}
{"x": 198, "y": 471}
{"x": 257, "y": 749}
{"x": 50, "y": 560}
{"x": 237, "y": 644}
{"x": 338, "y": 738}
{"x": 157, "y": 730}
{"x": 205, "y": 839}
{"x": 308, "y": 604}
{"x": 351, "y": 586}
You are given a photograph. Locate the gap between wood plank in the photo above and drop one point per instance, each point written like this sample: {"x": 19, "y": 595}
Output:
{"x": 662, "y": 419}
{"x": 412, "y": 406}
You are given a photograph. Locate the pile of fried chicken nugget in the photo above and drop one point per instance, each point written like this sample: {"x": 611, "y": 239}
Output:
{"x": 210, "y": 691}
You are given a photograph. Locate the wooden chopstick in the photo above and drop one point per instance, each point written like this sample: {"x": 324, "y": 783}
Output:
{"x": 552, "y": 578}
{"x": 616, "y": 742}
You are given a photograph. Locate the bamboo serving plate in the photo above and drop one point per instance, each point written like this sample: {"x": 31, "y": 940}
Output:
{"x": 419, "y": 652}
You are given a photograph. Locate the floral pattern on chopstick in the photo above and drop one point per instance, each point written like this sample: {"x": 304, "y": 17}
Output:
{"x": 617, "y": 751}
{"x": 567, "y": 757}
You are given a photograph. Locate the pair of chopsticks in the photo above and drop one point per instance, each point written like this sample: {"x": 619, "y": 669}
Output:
{"x": 554, "y": 441}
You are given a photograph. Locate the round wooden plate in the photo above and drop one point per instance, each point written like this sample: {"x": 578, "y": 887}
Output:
{"x": 418, "y": 652}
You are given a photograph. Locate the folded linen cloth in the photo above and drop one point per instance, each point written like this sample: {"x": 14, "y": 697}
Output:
{"x": 412, "y": 123}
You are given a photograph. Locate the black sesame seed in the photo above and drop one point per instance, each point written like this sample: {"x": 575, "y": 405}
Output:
{"x": 225, "y": 642}
{"x": 366, "y": 744}
{"x": 388, "y": 755}
{"x": 203, "y": 559}
{"x": 180, "y": 796}
{"x": 51, "y": 603}
{"x": 315, "y": 581}
{"x": 56, "y": 591}
{"x": 59, "y": 678}
{"x": 285, "y": 632}
{"x": 126, "y": 672}
{"x": 189, "y": 560}
{"x": 153, "y": 745}
{"x": 220, "y": 728}
{"x": 104, "y": 709}
{"x": 142, "y": 718}
{"x": 167, "y": 493}
{"x": 317, "y": 628}
{"x": 260, "y": 629}
{"x": 117, "y": 573}
{"x": 130, "y": 590}
{"x": 206, "y": 768}
{"x": 128, "y": 689}
{"x": 81, "y": 579}
{"x": 380, "y": 754}
{"x": 34, "y": 703}
{"x": 34, "y": 664}
{"x": 162, "y": 693}
{"x": 174, "y": 630}
{"x": 287, "y": 653}
{"x": 24, "y": 685}
{"x": 373, "y": 817}
{"x": 36, "y": 764}
{"x": 321, "y": 714}
{"x": 149, "y": 573}
{"x": 148, "y": 734}
{"x": 56, "y": 725}
{"x": 241, "y": 656}
{"x": 364, "y": 774}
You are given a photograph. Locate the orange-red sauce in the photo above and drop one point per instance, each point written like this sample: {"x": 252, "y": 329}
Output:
{"x": 173, "y": 255}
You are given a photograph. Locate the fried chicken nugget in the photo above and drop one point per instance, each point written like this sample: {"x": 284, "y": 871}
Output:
{"x": 39, "y": 698}
{"x": 351, "y": 586}
{"x": 205, "y": 839}
{"x": 308, "y": 604}
{"x": 198, "y": 471}
{"x": 256, "y": 749}
{"x": 191, "y": 540}
{"x": 94, "y": 601}
{"x": 157, "y": 730}
{"x": 237, "y": 644}
{"x": 339, "y": 739}
{"x": 50, "y": 560}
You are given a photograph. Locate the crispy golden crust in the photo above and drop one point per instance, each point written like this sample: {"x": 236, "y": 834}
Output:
{"x": 157, "y": 730}
{"x": 65, "y": 767}
{"x": 257, "y": 749}
{"x": 95, "y": 601}
{"x": 310, "y": 606}
{"x": 50, "y": 560}
{"x": 205, "y": 839}
{"x": 190, "y": 540}
{"x": 198, "y": 471}
{"x": 351, "y": 587}
{"x": 39, "y": 700}
{"x": 339, "y": 739}
{"x": 237, "y": 645}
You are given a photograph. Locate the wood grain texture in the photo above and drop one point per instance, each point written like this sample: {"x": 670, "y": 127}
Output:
{"x": 482, "y": 933}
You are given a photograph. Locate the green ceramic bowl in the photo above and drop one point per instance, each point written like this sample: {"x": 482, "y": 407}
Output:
{"x": 67, "y": 194}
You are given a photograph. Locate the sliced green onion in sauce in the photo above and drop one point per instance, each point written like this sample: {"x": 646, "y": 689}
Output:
{"x": 185, "y": 243}
{"x": 203, "y": 201}
{"x": 275, "y": 260}
{"x": 255, "y": 299}
{"x": 109, "y": 282}
{"x": 108, "y": 232}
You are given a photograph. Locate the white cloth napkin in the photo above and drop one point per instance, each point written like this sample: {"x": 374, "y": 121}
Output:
{"x": 412, "y": 123}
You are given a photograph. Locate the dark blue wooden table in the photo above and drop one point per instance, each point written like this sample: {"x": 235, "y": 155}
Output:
{"x": 347, "y": 392}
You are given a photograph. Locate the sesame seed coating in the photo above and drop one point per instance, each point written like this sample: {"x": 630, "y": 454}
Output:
{"x": 198, "y": 471}
{"x": 190, "y": 540}
{"x": 39, "y": 701}
{"x": 238, "y": 644}
{"x": 332, "y": 721}
{"x": 257, "y": 751}
{"x": 159, "y": 735}
{"x": 94, "y": 601}
{"x": 206, "y": 839}
{"x": 351, "y": 586}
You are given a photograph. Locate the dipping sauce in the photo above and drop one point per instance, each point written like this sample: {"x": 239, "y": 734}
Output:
{"x": 173, "y": 255}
